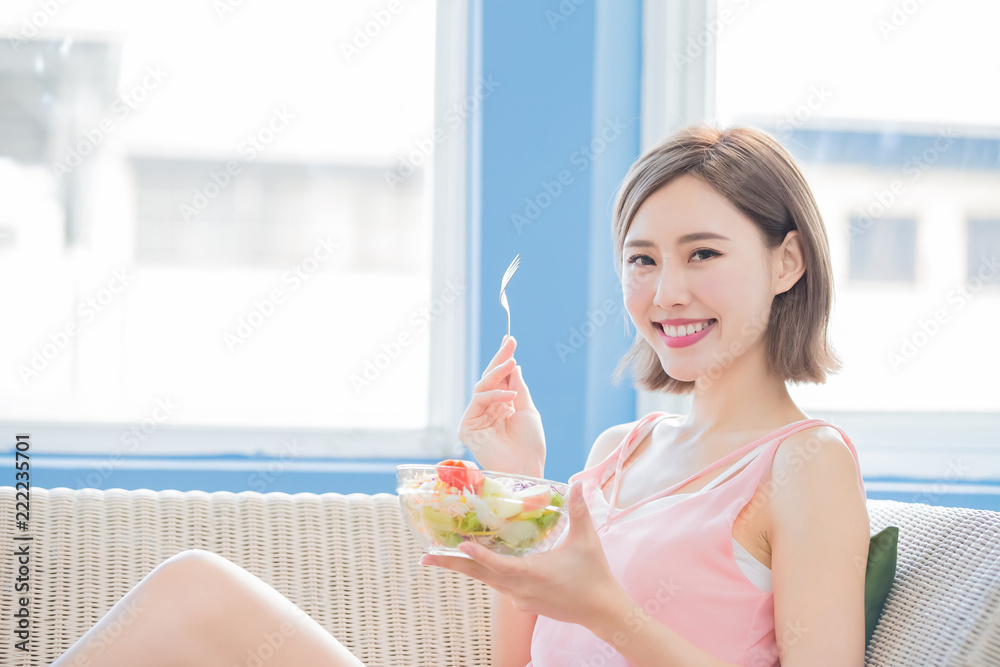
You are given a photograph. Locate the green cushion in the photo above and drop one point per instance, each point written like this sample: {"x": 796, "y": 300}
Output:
{"x": 879, "y": 575}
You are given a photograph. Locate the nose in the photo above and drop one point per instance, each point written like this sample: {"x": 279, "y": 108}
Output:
{"x": 671, "y": 288}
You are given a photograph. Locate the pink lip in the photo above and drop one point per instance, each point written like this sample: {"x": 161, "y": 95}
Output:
{"x": 684, "y": 341}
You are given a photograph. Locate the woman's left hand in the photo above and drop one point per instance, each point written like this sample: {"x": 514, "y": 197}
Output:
{"x": 571, "y": 583}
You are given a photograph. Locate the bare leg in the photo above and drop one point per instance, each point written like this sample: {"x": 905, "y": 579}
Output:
{"x": 198, "y": 609}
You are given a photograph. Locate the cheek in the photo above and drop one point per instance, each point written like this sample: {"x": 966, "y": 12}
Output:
{"x": 716, "y": 295}
{"x": 734, "y": 297}
{"x": 638, "y": 283}
{"x": 630, "y": 300}
{"x": 637, "y": 291}
{"x": 717, "y": 290}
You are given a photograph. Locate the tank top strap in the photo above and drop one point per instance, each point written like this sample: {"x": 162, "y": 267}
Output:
{"x": 769, "y": 448}
{"x": 614, "y": 462}
{"x": 646, "y": 424}
{"x": 603, "y": 470}
{"x": 766, "y": 444}
{"x": 847, "y": 441}
{"x": 718, "y": 479}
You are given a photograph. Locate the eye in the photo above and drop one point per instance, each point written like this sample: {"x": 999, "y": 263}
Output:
{"x": 637, "y": 259}
{"x": 634, "y": 258}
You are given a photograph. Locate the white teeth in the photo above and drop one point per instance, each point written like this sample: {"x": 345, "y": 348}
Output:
{"x": 687, "y": 330}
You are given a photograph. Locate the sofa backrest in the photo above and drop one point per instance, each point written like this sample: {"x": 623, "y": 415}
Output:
{"x": 944, "y": 605}
{"x": 350, "y": 562}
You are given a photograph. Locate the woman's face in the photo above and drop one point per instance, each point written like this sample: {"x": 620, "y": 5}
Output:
{"x": 669, "y": 273}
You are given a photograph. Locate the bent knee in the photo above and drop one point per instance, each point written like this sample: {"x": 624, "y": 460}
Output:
{"x": 192, "y": 594}
{"x": 195, "y": 564}
{"x": 195, "y": 579}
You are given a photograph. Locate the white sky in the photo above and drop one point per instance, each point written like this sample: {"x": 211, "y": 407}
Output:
{"x": 226, "y": 74}
{"x": 941, "y": 66}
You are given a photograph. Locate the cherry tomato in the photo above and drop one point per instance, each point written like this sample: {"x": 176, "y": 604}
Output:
{"x": 460, "y": 474}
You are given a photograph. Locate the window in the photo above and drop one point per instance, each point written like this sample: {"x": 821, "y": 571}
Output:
{"x": 984, "y": 252}
{"x": 882, "y": 249}
{"x": 884, "y": 109}
{"x": 240, "y": 210}
{"x": 881, "y": 154}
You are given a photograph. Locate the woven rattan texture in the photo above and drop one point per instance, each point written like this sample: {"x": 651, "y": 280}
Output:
{"x": 944, "y": 606}
{"x": 348, "y": 561}
{"x": 351, "y": 564}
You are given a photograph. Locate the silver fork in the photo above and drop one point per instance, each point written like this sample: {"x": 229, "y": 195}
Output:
{"x": 508, "y": 274}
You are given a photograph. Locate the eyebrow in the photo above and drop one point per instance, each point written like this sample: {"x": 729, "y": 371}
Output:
{"x": 687, "y": 238}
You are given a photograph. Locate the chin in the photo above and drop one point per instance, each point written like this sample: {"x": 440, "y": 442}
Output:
{"x": 683, "y": 373}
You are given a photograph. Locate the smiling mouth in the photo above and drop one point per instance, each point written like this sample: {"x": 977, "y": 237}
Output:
{"x": 685, "y": 330}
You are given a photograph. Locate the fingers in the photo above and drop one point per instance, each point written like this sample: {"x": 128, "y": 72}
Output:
{"x": 505, "y": 352}
{"x": 494, "y": 562}
{"x": 493, "y": 378}
{"x": 455, "y": 564}
{"x": 484, "y": 565}
{"x": 522, "y": 399}
{"x": 480, "y": 414}
{"x": 482, "y": 400}
{"x": 577, "y": 505}
{"x": 581, "y": 525}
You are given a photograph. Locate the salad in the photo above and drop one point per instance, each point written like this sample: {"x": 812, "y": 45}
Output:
{"x": 455, "y": 501}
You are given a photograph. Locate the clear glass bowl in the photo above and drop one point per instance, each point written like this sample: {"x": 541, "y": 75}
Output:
{"x": 510, "y": 515}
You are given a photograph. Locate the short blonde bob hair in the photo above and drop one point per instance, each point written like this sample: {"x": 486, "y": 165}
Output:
{"x": 759, "y": 177}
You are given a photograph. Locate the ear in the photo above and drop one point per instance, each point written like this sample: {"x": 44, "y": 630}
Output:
{"x": 788, "y": 263}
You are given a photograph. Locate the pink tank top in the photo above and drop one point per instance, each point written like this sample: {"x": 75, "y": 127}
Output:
{"x": 676, "y": 559}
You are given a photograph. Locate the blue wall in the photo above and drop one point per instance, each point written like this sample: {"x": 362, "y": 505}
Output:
{"x": 556, "y": 139}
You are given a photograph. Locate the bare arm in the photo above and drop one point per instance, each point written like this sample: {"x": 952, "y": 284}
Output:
{"x": 819, "y": 541}
{"x": 512, "y": 628}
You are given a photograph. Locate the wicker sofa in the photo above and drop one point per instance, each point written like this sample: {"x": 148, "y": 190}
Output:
{"x": 351, "y": 563}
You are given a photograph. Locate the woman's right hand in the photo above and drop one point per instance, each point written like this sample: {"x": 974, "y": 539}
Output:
{"x": 501, "y": 426}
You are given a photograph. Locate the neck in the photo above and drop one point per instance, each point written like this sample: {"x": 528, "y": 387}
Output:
{"x": 743, "y": 397}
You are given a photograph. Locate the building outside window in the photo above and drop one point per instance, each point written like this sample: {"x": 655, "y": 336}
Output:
{"x": 231, "y": 211}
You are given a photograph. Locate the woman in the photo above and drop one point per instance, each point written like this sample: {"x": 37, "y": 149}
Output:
{"x": 726, "y": 275}
{"x": 716, "y": 232}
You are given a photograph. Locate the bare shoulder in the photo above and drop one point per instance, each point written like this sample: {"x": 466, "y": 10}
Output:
{"x": 607, "y": 441}
{"x": 821, "y": 443}
{"x": 815, "y": 465}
